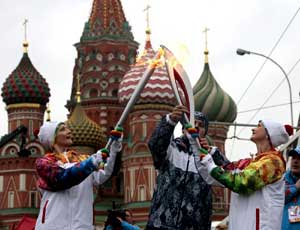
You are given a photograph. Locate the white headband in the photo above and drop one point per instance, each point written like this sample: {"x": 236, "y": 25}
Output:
{"x": 47, "y": 133}
{"x": 277, "y": 132}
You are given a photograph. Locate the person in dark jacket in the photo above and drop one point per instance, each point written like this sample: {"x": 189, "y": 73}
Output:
{"x": 182, "y": 199}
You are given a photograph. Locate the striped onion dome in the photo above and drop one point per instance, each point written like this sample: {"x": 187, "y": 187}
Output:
{"x": 158, "y": 90}
{"x": 211, "y": 99}
{"x": 25, "y": 84}
{"x": 85, "y": 132}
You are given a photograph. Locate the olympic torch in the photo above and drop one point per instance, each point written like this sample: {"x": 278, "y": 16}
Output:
{"x": 136, "y": 93}
{"x": 178, "y": 76}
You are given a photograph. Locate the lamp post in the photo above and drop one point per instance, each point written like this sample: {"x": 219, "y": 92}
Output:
{"x": 242, "y": 52}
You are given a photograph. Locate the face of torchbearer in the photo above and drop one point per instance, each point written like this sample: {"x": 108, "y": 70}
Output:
{"x": 259, "y": 133}
{"x": 63, "y": 137}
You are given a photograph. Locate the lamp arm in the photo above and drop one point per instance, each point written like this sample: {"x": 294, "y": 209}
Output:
{"x": 286, "y": 77}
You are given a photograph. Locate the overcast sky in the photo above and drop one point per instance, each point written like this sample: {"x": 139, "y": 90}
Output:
{"x": 54, "y": 26}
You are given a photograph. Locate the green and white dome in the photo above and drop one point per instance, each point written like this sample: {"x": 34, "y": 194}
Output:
{"x": 211, "y": 99}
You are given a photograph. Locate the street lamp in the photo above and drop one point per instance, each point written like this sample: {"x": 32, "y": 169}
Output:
{"x": 242, "y": 52}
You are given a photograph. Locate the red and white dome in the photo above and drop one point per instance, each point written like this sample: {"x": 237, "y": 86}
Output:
{"x": 158, "y": 90}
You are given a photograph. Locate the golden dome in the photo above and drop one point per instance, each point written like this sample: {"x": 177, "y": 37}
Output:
{"x": 85, "y": 132}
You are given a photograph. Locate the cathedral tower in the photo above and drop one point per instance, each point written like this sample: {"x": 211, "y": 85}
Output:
{"x": 104, "y": 54}
{"x": 25, "y": 93}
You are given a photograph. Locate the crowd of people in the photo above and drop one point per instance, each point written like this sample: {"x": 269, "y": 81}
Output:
{"x": 264, "y": 195}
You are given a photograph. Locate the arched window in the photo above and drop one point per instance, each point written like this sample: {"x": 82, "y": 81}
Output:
{"x": 1, "y": 183}
{"x": 22, "y": 182}
{"x": 30, "y": 127}
{"x": 114, "y": 93}
{"x": 93, "y": 93}
{"x": 142, "y": 193}
{"x": 11, "y": 199}
{"x": 144, "y": 129}
{"x": 33, "y": 199}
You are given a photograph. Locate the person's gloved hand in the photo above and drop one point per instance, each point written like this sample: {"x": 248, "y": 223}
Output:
{"x": 208, "y": 162}
{"x": 177, "y": 113}
{"x": 97, "y": 158}
{"x": 116, "y": 146}
{"x": 100, "y": 158}
{"x": 117, "y": 136}
{"x": 204, "y": 144}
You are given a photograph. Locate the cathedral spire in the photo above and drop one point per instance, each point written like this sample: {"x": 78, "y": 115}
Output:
{"x": 107, "y": 20}
{"x": 148, "y": 30}
{"x": 78, "y": 93}
{"x": 25, "y": 43}
{"x": 106, "y": 11}
{"x": 205, "y": 31}
{"x": 210, "y": 98}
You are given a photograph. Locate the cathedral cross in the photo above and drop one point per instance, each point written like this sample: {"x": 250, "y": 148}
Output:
{"x": 25, "y": 28}
{"x": 147, "y": 17}
{"x": 206, "y": 31}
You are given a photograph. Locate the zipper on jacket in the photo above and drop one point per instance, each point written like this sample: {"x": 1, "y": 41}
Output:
{"x": 44, "y": 212}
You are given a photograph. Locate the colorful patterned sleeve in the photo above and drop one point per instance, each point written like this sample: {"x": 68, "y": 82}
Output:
{"x": 55, "y": 178}
{"x": 253, "y": 177}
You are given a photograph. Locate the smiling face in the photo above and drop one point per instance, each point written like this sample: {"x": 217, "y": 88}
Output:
{"x": 63, "y": 137}
{"x": 259, "y": 133}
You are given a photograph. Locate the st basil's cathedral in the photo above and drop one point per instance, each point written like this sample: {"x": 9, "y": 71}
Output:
{"x": 107, "y": 70}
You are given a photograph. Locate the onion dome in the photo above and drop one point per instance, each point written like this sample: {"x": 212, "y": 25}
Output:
{"x": 25, "y": 84}
{"x": 158, "y": 90}
{"x": 85, "y": 132}
{"x": 211, "y": 99}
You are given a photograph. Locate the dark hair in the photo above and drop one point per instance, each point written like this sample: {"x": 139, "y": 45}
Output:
{"x": 201, "y": 117}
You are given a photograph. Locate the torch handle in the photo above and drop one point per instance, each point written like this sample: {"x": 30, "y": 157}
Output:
{"x": 170, "y": 63}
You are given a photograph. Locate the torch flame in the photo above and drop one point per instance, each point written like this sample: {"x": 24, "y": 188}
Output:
{"x": 183, "y": 54}
{"x": 160, "y": 60}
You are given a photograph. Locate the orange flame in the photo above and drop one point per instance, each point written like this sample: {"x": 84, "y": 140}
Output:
{"x": 160, "y": 60}
{"x": 157, "y": 62}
